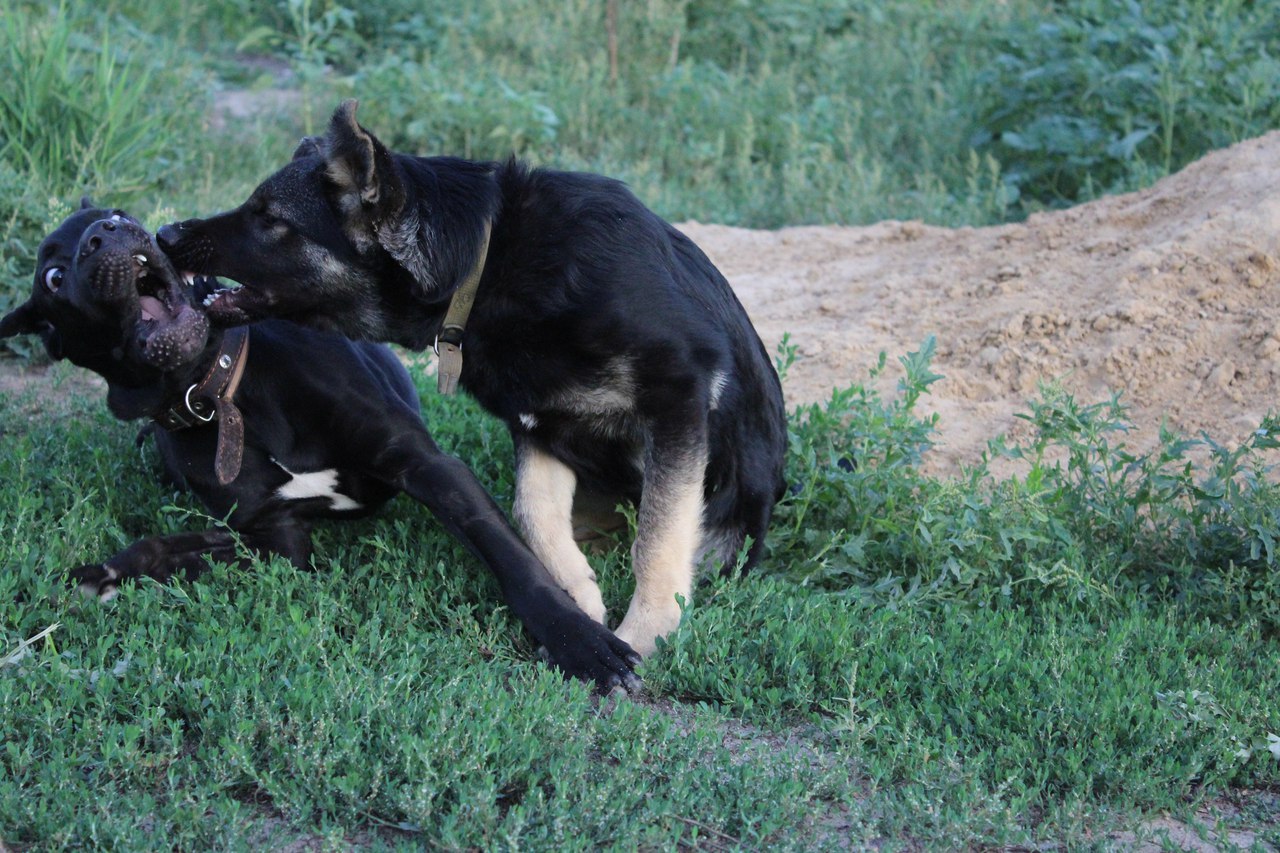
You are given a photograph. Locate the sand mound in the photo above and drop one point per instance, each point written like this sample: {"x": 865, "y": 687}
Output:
{"x": 1169, "y": 295}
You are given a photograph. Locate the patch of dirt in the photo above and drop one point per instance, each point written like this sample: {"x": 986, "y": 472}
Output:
{"x": 275, "y": 93}
{"x": 1169, "y": 295}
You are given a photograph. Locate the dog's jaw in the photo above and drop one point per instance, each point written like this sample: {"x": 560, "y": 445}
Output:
{"x": 236, "y": 306}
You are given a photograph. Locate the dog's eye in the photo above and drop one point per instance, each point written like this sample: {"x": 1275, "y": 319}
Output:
{"x": 53, "y": 278}
{"x": 266, "y": 220}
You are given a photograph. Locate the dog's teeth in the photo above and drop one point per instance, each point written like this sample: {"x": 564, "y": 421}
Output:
{"x": 189, "y": 278}
{"x": 142, "y": 259}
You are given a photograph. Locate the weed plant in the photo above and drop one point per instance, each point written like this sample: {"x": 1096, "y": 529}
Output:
{"x": 1191, "y": 519}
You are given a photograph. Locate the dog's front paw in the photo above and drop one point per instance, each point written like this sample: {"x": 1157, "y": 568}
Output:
{"x": 583, "y": 648}
{"x": 95, "y": 580}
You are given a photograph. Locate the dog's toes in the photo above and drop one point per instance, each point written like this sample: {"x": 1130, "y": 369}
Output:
{"x": 95, "y": 580}
{"x": 631, "y": 683}
{"x": 592, "y": 653}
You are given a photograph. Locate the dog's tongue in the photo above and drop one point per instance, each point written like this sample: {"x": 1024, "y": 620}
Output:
{"x": 153, "y": 309}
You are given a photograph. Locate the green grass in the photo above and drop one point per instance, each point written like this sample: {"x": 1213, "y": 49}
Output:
{"x": 389, "y": 699}
{"x": 921, "y": 662}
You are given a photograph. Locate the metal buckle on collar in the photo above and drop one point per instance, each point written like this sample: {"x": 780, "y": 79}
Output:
{"x": 451, "y": 335}
{"x": 449, "y": 359}
{"x": 192, "y": 408}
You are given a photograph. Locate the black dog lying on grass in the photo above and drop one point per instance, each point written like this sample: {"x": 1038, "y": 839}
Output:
{"x": 614, "y": 350}
{"x": 272, "y": 426}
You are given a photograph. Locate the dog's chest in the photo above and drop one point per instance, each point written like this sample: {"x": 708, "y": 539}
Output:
{"x": 604, "y": 406}
{"x": 324, "y": 484}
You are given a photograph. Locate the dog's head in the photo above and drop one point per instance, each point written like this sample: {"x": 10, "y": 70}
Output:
{"x": 318, "y": 241}
{"x": 106, "y": 298}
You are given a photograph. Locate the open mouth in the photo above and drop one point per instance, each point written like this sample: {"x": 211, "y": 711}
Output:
{"x": 209, "y": 290}
{"x": 170, "y": 330}
{"x": 155, "y": 298}
{"x": 224, "y": 304}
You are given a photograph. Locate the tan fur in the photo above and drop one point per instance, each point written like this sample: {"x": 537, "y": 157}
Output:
{"x": 669, "y": 532}
{"x": 544, "y": 513}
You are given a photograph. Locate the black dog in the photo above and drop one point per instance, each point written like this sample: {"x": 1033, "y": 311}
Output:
{"x": 275, "y": 425}
{"x": 615, "y": 352}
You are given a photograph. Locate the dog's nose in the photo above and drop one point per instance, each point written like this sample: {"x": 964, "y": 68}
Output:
{"x": 95, "y": 235}
{"x": 169, "y": 235}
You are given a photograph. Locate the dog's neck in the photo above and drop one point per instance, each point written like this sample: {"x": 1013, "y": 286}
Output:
{"x": 131, "y": 401}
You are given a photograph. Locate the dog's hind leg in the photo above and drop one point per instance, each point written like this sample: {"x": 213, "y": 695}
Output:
{"x": 668, "y": 533}
{"x": 544, "y": 513}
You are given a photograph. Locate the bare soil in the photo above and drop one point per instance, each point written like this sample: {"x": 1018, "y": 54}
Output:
{"x": 1169, "y": 295}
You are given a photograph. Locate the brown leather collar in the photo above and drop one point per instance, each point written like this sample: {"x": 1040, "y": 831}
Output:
{"x": 211, "y": 399}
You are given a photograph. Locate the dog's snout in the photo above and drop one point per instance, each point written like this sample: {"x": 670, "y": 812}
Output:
{"x": 103, "y": 232}
{"x": 169, "y": 235}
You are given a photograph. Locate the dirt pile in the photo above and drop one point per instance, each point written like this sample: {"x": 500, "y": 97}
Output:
{"x": 1171, "y": 295}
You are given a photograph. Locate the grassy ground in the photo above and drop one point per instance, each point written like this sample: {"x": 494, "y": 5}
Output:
{"x": 1063, "y": 656}
{"x": 388, "y": 700}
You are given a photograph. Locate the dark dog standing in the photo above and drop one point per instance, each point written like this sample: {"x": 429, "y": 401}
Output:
{"x": 614, "y": 350}
{"x": 318, "y": 427}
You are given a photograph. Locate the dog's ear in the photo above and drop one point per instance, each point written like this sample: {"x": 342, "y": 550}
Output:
{"x": 23, "y": 320}
{"x": 351, "y": 152}
{"x": 309, "y": 146}
{"x": 86, "y": 203}
{"x": 360, "y": 166}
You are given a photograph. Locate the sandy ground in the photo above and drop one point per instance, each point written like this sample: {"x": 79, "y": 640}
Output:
{"x": 1169, "y": 295}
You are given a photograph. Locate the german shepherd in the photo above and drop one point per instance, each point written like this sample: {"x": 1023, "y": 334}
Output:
{"x": 614, "y": 351}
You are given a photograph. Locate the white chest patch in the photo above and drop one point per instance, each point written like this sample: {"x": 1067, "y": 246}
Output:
{"x": 314, "y": 484}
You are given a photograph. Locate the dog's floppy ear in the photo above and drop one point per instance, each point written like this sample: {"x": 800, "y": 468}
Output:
{"x": 23, "y": 320}
{"x": 86, "y": 203}
{"x": 309, "y": 146}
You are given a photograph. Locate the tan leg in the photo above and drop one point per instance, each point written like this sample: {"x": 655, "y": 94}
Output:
{"x": 544, "y": 513}
{"x": 669, "y": 529}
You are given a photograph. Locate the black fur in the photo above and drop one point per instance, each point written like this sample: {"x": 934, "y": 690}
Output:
{"x": 601, "y": 335}
{"x": 312, "y": 401}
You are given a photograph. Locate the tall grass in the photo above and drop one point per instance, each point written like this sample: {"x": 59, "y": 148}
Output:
{"x": 750, "y": 113}
{"x": 90, "y": 106}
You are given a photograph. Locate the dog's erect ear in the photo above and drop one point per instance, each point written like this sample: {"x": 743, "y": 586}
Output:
{"x": 351, "y": 152}
{"x": 86, "y": 203}
{"x": 361, "y": 167}
{"x": 309, "y": 146}
{"x": 23, "y": 320}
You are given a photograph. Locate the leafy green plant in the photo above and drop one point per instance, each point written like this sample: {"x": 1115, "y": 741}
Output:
{"x": 1089, "y": 517}
{"x": 1105, "y": 95}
